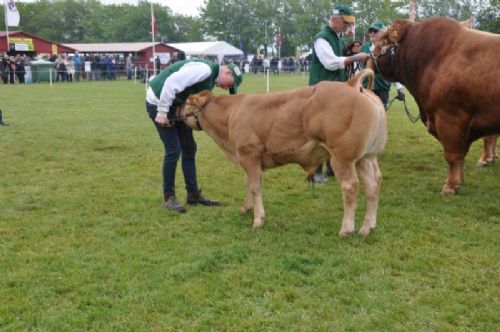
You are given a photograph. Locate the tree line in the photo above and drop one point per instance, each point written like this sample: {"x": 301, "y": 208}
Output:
{"x": 247, "y": 24}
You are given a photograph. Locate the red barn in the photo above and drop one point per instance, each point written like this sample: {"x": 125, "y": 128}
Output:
{"x": 31, "y": 45}
{"x": 142, "y": 51}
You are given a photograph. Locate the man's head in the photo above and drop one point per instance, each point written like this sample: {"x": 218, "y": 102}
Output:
{"x": 375, "y": 30}
{"x": 340, "y": 18}
{"x": 230, "y": 77}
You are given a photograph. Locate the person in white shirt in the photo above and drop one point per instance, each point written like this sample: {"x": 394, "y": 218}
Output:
{"x": 169, "y": 90}
{"x": 327, "y": 62}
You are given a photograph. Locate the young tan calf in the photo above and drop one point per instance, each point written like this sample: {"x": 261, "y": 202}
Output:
{"x": 338, "y": 121}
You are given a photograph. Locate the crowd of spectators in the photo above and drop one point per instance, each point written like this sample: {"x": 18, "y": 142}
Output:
{"x": 276, "y": 66}
{"x": 99, "y": 67}
{"x": 68, "y": 68}
{"x": 13, "y": 68}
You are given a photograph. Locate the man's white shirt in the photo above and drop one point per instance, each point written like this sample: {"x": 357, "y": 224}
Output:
{"x": 188, "y": 75}
{"x": 326, "y": 56}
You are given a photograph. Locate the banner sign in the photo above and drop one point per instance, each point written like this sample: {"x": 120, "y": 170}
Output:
{"x": 22, "y": 44}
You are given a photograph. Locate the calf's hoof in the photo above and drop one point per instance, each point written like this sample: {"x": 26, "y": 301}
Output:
{"x": 245, "y": 209}
{"x": 365, "y": 230}
{"x": 258, "y": 223}
{"x": 345, "y": 233}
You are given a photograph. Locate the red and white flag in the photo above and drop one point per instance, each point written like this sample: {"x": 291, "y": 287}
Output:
{"x": 412, "y": 11}
{"x": 351, "y": 31}
{"x": 154, "y": 27}
{"x": 11, "y": 13}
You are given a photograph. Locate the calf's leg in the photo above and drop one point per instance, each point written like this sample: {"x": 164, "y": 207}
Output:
{"x": 248, "y": 201}
{"x": 253, "y": 171}
{"x": 345, "y": 173}
{"x": 372, "y": 178}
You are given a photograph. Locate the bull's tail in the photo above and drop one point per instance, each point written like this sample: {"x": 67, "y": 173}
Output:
{"x": 357, "y": 79}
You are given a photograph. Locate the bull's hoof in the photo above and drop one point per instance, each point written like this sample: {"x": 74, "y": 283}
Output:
{"x": 345, "y": 234}
{"x": 485, "y": 163}
{"x": 258, "y": 223}
{"x": 449, "y": 190}
{"x": 365, "y": 230}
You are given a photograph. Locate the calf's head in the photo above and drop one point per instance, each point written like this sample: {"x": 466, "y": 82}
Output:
{"x": 191, "y": 109}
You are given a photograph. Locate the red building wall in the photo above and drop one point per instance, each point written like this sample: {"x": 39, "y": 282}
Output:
{"x": 40, "y": 45}
{"x": 147, "y": 54}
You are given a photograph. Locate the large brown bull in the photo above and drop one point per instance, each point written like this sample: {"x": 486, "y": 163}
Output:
{"x": 332, "y": 120}
{"x": 453, "y": 74}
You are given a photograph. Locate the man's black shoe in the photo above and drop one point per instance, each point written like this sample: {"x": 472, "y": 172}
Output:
{"x": 195, "y": 197}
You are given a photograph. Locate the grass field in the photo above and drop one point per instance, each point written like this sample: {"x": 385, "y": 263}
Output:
{"x": 85, "y": 243}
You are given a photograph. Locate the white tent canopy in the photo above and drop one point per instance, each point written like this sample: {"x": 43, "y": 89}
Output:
{"x": 217, "y": 48}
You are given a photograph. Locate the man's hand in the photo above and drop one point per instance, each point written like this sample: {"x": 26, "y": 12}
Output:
{"x": 362, "y": 56}
{"x": 162, "y": 121}
{"x": 401, "y": 95}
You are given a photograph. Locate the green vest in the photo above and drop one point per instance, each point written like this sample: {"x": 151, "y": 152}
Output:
{"x": 208, "y": 84}
{"x": 380, "y": 84}
{"x": 318, "y": 72}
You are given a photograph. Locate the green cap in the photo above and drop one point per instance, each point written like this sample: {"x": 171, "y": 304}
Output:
{"x": 237, "y": 76}
{"x": 345, "y": 12}
{"x": 377, "y": 25}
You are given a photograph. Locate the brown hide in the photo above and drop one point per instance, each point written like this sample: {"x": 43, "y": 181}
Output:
{"x": 332, "y": 120}
{"x": 452, "y": 73}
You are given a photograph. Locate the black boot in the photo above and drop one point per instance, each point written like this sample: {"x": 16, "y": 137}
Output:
{"x": 171, "y": 203}
{"x": 195, "y": 197}
{"x": 329, "y": 169}
{"x": 318, "y": 176}
{"x": 1, "y": 120}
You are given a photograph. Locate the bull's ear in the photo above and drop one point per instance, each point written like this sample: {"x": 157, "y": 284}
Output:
{"x": 398, "y": 30}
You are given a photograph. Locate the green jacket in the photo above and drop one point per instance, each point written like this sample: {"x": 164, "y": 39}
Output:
{"x": 318, "y": 72}
{"x": 380, "y": 84}
{"x": 208, "y": 84}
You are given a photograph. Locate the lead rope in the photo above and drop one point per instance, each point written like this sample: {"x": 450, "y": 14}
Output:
{"x": 410, "y": 116}
{"x": 311, "y": 185}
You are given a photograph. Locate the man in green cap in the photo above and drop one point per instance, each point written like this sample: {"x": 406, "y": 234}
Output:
{"x": 381, "y": 87}
{"x": 169, "y": 90}
{"x": 327, "y": 62}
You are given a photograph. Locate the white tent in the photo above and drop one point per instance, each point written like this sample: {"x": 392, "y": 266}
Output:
{"x": 217, "y": 48}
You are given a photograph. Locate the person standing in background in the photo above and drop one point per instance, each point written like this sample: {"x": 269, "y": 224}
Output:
{"x": 129, "y": 65}
{"x": 77, "y": 61}
{"x": 381, "y": 87}
{"x": 327, "y": 62}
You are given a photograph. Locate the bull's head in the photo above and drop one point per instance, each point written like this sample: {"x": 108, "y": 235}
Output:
{"x": 190, "y": 110}
{"x": 384, "y": 53}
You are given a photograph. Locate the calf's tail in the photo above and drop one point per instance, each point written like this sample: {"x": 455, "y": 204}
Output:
{"x": 357, "y": 79}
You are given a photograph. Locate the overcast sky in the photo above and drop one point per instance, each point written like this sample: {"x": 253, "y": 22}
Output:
{"x": 185, "y": 7}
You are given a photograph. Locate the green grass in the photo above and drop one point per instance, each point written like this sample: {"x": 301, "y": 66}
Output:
{"x": 85, "y": 243}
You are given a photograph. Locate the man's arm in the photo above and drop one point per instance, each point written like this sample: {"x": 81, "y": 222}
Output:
{"x": 330, "y": 60}
{"x": 326, "y": 56}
